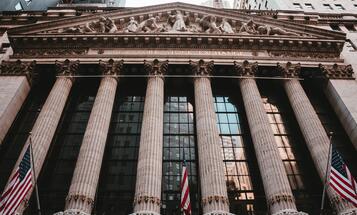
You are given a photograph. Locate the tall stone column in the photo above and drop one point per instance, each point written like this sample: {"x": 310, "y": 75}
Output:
{"x": 313, "y": 131}
{"x": 280, "y": 199}
{"x": 213, "y": 185}
{"x": 48, "y": 119}
{"x": 85, "y": 178}
{"x": 147, "y": 198}
{"x": 15, "y": 84}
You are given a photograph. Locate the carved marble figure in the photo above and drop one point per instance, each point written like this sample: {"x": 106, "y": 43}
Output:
{"x": 209, "y": 25}
{"x": 132, "y": 25}
{"x": 270, "y": 30}
{"x": 149, "y": 25}
{"x": 179, "y": 21}
{"x": 226, "y": 27}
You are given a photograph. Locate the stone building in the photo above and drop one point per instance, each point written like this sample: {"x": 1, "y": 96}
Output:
{"x": 115, "y": 100}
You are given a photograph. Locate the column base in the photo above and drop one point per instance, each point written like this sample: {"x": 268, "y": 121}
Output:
{"x": 71, "y": 212}
{"x": 145, "y": 213}
{"x": 218, "y": 213}
{"x": 290, "y": 212}
{"x": 352, "y": 211}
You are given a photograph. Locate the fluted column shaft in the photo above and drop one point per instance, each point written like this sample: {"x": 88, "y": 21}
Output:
{"x": 86, "y": 174}
{"x": 276, "y": 185}
{"x": 315, "y": 136}
{"x": 149, "y": 171}
{"x": 46, "y": 125}
{"x": 213, "y": 185}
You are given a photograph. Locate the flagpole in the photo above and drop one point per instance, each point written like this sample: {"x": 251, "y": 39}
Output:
{"x": 34, "y": 175}
{"x": 326, "y": 174}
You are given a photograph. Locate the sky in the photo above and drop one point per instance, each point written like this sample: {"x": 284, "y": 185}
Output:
{"x": 140, "y": 3}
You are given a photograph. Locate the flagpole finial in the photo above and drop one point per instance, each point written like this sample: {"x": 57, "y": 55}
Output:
{"x": 331, "y": 133}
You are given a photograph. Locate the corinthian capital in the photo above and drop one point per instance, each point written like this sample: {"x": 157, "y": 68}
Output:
{"x": 336, "y": 71}
{"x": 202, "y": 68}
{"x": 111, "y": 67}
{"x": 156, "y": 67}
{"x": 18, "y": 68}
{"x": 289, "y": 70}
{"x": 246, "y": 68}
{"x": 67, "y": 68}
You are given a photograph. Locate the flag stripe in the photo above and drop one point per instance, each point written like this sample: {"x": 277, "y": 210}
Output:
{"x": 185, "y": 204}
{"x": 341, "y": 179}
{"x": 18, "y": 187}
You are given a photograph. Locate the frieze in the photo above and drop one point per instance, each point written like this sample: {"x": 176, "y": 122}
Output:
{"x": 18, "y": 68}
{"x": 336, "y": 71}
{"x": 176, "y": 21}
{"x": 49, "y": 52}
{"x": 309, "y": 55}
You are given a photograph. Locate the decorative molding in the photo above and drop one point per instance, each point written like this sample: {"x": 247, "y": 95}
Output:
{"x": 279, "y": 198}
{"x": 202, "y": 68}
{"x": 218, "y": 213}
{"x": 67, "y": 68}
{"x": 212, "y": 199}
{"x": 336, "y": 71}
{"x": 301, "y": 54}
{"x": 246, "y": 68}
{"x": 71, "y": 212}
{"x": 289, "y": 70}
{"x": 111, "y": 67}
{"x": 145, "y": 199}
{"x": 79, "y": 197}
{"x": 18, "y": 68}
{"x": 156, "y": 68}
{"x": 290, "y": 212}
{"x": 45, "y": 52}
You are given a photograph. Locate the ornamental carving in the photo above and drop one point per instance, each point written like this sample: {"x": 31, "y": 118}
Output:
{"x": 18, "y": 68}
{"x": 216, "y": 199}
{"x": 67, "y": 68}
{"x": 289, "y": 70}
{"x": 336, "y": 71}
{"x": 246, "y": 68}
{"x": 202, "y": 68}
{"x": 309, "y": 55}
{"x": 280, "y": 198}
{"x": 156, "y": 68}
{"x": 79, "y": 197}
{"x": 49, "y": 52}
{"x": 147, "y": 199}
{"x": 111, "y": 67}
{"x": 177, "y": 21}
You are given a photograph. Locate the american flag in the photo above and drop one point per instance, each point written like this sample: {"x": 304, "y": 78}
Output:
{"x": 19, "y": 186}
{"x": 341, "y": 179}
{"x": 185, "y": 192}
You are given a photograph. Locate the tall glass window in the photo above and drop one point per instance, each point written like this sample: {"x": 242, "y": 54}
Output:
{"x": 116, "y": 187}
{"x": 179, "y": 144}
{"x": 243, "y": 197}
{"x": 16, "y": 137}
{"x": 56, "y": 174}
{"x": 289, "y": 142}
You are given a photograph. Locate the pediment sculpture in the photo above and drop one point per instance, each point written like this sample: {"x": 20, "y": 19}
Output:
{"x": 176, "y": 22}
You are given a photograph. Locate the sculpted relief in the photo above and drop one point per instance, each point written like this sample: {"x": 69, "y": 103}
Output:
{"x": 177, "y": 22}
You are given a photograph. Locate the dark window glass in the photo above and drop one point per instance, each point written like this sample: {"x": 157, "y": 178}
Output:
{"x": 179, "y": 144}
{"x": 238, "y": 162}
{"x": 116, "y": 187}
{"x": 56, "y": 175}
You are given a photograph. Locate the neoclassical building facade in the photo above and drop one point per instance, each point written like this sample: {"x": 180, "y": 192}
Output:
{"x": 116, "y": 100}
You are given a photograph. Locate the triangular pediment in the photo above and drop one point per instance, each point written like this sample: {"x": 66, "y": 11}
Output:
{"x": 176, "y": 18}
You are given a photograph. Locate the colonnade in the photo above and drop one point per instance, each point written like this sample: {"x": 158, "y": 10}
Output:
{"x": 214, "y": 198}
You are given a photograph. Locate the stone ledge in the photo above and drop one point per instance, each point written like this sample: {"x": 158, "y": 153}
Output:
{"x": 145, "y": 213}
{"x": 290, "y": 212}
{"x": 218, "y": 213}
{"x": 71, "y": 212}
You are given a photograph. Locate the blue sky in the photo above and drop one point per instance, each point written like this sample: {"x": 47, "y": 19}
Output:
{"x": 140, "y": 3}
